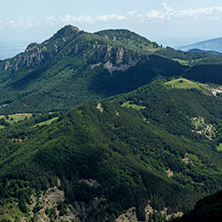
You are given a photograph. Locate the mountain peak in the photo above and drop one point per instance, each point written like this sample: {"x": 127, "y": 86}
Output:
{"x": 31, "y": 46}
{"x": 129, "y": 38}
{"x": 69, "y": 29}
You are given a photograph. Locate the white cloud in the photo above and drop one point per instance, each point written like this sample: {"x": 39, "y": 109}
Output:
{"x": 105, "y": 18}
{"x": 169, "y": 13}
{"x": 81, "y": 19}
{"x": 17, "y": 24}
{"x": 84, "y": 19}
{"x": 132, "y": 13}
{"x": 154, "y": 14}
{"x": 167, "y": 8}
{"x": 165, "y": 13}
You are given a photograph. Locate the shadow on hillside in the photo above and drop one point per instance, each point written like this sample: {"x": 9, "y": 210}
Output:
{"x": 143, "y": 73}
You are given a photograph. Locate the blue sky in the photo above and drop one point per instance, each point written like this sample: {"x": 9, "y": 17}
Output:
{"x": 168, "y": 22}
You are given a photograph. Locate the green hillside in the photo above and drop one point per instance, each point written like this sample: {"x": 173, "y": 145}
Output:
{"x": 208, "y": 209}
{"x": 130, "y": 40}
{"x": 205, "y": 73}
{"x": 190, "y": 58}
{"x": 74, "y": 67}
{"x": 144, "y": 46}
{"x": 110, "y": 157}
{"x": 108, "y": 127}
{"x": 172, "y": 107}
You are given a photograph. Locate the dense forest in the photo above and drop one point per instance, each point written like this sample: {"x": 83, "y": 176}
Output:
{"x": 208, "y": 209}
{"x": 74, "y": 67}
{"x": 94, "y": 126}
{"x": 133, "y": 155}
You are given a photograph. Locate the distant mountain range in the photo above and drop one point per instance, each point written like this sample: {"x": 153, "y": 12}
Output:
{"x": 208, "y": 45}
{"x": 200, "y": 50}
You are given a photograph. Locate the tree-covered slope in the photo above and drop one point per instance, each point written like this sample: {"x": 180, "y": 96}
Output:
{"x": 205, "y": 73}
{"x": 175, "y": 104}
{"x": 208, "y": 209}
{"x": 190, "y": 58}
{"x": 73, "y": 67}
{"x": 210, "y": 51}
{"x": 130, "y": 39}
{"x": 144, "y": 46}
{"x": 108, "y": 158}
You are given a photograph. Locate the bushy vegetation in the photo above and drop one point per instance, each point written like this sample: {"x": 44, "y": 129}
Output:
{"x": 154, "y": 144}
{"x": 130, "y": 40}
{"x": 68, "y": 69}
{"x": 117, "y": 147}
{"x": 190, "y": 58}
{"x": 208, "y": 209}
{"x": 205, "y": 74}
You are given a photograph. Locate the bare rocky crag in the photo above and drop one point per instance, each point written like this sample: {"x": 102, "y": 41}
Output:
{"x": 36, "y": 54}
{"x": 130, "y": 214}
{"x": 47, "y": 205}
{"x": 79, "y": 210}
{"x": 113, "y": 57}
{"x": 116, "y": 59}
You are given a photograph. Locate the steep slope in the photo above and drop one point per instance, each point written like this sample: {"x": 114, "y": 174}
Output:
{"x": 208, "y": 209}
{"x": 144, "y": 46}
{"x": 38, "y": 54}
{"x": 172, "y": 105}
{"x": 74, "y": 67}
{"x": 107, "y": 158}
{"x": 205, "y": 73}
{"x": 131, "y": 40}
{"x": 190, "y": 58}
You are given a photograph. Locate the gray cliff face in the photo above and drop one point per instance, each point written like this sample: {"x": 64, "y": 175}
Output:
{"x": 114, "y": 58}
{"x": 31, "y": 46}
{"x": 95, "y": 51}
{"x": 32, "y": 56}
{"x": 36, "y": 54}
{"x": 116, "y": 55}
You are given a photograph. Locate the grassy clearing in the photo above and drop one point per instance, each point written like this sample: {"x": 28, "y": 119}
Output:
{"x": 219, "y": 148}
{"x": 187, "y": 62}
{"x": 10, "y": 213}
{"x": 134, "y": 106}
{"x": 182, "y": 83}
{"x": 182, "y": 62}
{"x": 14, "y": 118}
{"x": 48, "y": 122}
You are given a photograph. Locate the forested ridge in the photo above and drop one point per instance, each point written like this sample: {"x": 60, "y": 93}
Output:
{"x": 207, "y": 209}
{"x": 128, "y": 151}
{"x": 94, "y": 126}
{"x": 73, "y": 67}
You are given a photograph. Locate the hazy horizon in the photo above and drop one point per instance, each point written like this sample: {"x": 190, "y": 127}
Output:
{"x": 167, "y": 22}
{"x": 9, "y": 49}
